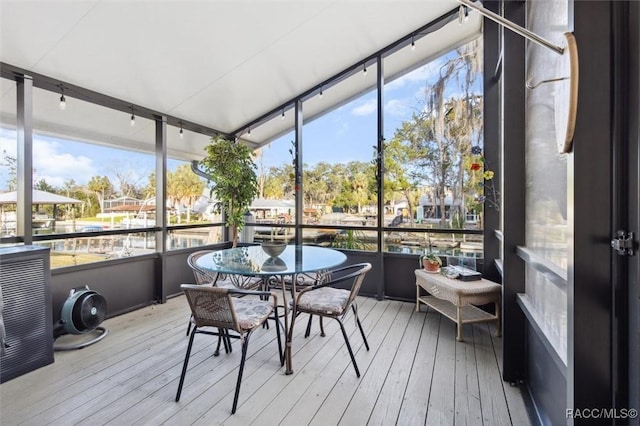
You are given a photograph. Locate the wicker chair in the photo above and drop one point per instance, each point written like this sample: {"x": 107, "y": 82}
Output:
{"x": 216, "y": 308}
{"x": 204, "y": 277}
{"x": 325, "y": 300}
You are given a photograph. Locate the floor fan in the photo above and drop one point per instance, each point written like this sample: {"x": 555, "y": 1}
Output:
{"x": 81, "y": 314}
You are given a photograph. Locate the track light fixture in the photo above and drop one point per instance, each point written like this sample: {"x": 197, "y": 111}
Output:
{"x": 63, "y": 100}
{"x": 249, "y": 131}
{"x": 321, "y": 92}
{"x": 133, "y": 118}
{"x": 413, "y": 44}
{"x": 364, "y": 69}
{"x": 181, "y": 132}
{"x": 282, "y": 116}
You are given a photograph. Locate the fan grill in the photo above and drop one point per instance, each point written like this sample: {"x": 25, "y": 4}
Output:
{"x": 88, "y": 312}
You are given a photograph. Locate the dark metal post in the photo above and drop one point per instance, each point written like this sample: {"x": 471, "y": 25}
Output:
{"x": 633, "y": 215}
{"x": 514, "y": 191}
{"x": 298, "y": 171}
{"x": 380, "y": 174}
{"x": 24, "y": 133}
{"x": 492, "y": 135}
{"x": 161, "y": 211}
{"x": 589, "y": 295}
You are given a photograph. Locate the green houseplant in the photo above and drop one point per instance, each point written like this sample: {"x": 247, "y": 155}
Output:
{"x": 233, "y": 181}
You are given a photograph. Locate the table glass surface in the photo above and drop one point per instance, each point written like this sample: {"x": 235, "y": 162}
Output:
{"x": 253, "y": 260}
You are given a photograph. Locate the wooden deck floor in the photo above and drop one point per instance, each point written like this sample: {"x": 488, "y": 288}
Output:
{"x": 415, "y": 373}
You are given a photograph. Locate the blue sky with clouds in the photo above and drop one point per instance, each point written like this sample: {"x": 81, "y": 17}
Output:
{"x": 345, "y": 134}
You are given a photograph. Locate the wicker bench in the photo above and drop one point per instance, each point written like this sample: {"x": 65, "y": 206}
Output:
{"x": 455, "y": 299}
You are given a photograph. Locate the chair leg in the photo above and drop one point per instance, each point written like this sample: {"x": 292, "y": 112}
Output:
{"x": 220, "y": 340}
{"x": 189, "y": 325}
{"x": 346, "y": 340}
{"x": 280, "y": 353}
{"x": 186, "y": 362}
{"x": 306, "y": 333}
{"x": 228, "y": 340}
{"x": 355, "y": 312}
{"x": 322, "y": 328}
{"x": 245, "y": 344}
{"x": 223, "y": 338}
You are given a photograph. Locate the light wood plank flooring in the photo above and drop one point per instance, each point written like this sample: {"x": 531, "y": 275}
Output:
{"x": 415, "y": 373}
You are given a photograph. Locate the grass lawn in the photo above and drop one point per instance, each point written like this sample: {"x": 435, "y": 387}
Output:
{"x": 62, "y": 259}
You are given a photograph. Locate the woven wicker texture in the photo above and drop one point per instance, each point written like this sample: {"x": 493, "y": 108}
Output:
{"x": 214, "y": 307}
{"x": 458, "y": 292}
{"x": 329, "y": 301}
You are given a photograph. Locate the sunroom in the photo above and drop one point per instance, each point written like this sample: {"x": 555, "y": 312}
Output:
{"x": 381, "y": 129}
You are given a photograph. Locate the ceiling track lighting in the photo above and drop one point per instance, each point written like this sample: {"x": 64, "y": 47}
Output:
{"x": 133, "y": 118}
{"x": 364, "y": 69}
{"x": 249, "y": 132}
{"x": 282, "y": 116}
{"x": 63, "y": 100}
{"x": 181, "y": 132}
{"x": 413, "y": 44}
{"x": 321, "y": 93}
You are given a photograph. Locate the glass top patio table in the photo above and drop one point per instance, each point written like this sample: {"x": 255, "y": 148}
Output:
{"x": 294, "y": 260}
{"x": 252, "y": 260}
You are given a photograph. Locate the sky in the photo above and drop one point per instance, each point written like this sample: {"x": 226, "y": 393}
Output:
{"x": 345, "y": 134}
{"x": 349, "y": 133}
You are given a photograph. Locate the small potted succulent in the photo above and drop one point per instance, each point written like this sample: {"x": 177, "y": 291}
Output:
{"x": 430, "y": 261}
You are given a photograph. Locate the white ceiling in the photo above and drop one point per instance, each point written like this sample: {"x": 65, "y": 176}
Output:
{"x": 220, "y": 64}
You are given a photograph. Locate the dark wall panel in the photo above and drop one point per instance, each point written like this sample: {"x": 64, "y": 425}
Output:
{"x": 126, "y": 284}
{"x": 177, "y": 273}
{"x": 400, "y": 277}
{"x": 373, "y": 277}
{"x": 546, "y": 383}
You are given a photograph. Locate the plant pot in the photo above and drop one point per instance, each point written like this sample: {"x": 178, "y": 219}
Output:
{"x": 430, "y": 266}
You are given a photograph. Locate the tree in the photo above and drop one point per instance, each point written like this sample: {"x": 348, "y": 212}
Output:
{"x": 184, "y": 187}
{"x": 129, "y": 182}
{"x": 102, "y": 187}
{"x": 316, "y": 187}
{"x": 11, "y": 163}
{"x": 355, "y": 185}
{"x": 398, "y": 180}
{"x": 279, "y": 182}
{"x": 430, "y": 148}
{"x": 233, "y": 178}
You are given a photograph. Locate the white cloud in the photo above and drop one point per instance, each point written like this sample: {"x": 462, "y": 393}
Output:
{"x": 55, "y": 166}
{"x": 367, "y": 108}
{"x": 397, "y": 107}
{"x": 420, "y": 75}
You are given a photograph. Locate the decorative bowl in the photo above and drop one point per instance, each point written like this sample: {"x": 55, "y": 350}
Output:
{"x": 274, "y": 264}
{"x": 273, "y": 248}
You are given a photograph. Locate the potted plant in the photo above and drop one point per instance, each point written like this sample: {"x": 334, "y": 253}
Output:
{"x": 232, "y": 173}
{"x": 429, "y": 260}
